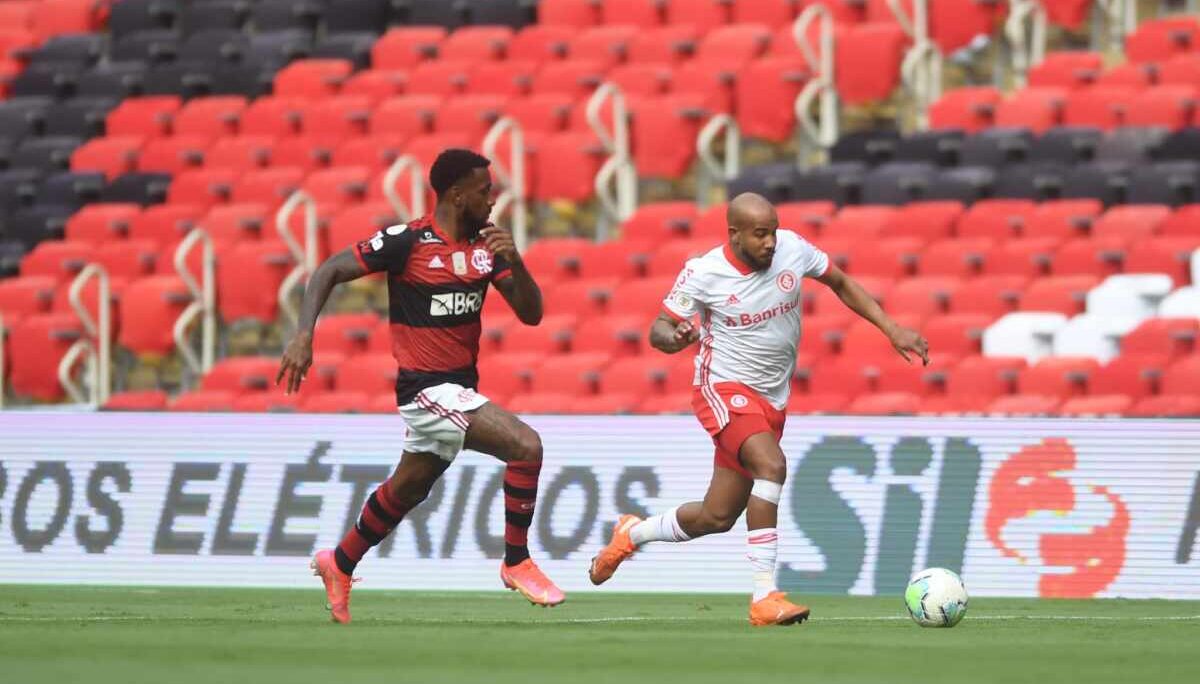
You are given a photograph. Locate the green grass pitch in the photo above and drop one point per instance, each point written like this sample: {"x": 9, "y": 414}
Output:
{"x": 177, "y": 636}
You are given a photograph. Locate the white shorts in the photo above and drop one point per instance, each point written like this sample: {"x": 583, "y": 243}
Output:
{"x": 436, "y": 419}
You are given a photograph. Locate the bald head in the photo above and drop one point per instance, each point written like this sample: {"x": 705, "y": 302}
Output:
{"x": 752, "y": 225}
{"x": 748, "y": 210}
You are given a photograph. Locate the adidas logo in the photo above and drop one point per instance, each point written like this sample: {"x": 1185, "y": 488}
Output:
{"x": 436, "y": 262}
{"x": 733, "y": 299}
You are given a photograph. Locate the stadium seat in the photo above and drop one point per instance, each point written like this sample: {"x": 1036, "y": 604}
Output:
{"x": 173, "y": 155}
{"x": 267, "y": 402}
{"x": 1134, "y": 375}
{"x": 166, "y": 223}
{"x": 1094, "y": 335}
{"x": 1182, "y": 302}
{"x": 551, "y": 336}
{"x": 1168, "y": 106}
{"x": 203, "y": 402}
{"x": 926, "y": 221}
{"x": 143, "y": 116}
{"x": 805, "y": 404}
{"x": 406, "y": 47}
{"x": 1067, "y": 69}
{"x": 576, "y": 14}
{"x": 241, "y": 374}
{"x": 101, "y": 222}
{"x": 1036, "y": 109}
{"x": 567, "y": 167}
{"x": 540, "y": 402}
{"x": 1134, "y": 295}
{"x": 203, "y": 187}
{"x": 508, "y": 374}
{"x": 1093, "y": 256}
{"x": 370, "y": 374}
{"x": 344, "y": 333}
{"x": 576, "y": 78}
{"x": 249, "y": 277}
{"x": 616, "y": 335}
{"x": 1028, "y": 257}
{"x": 476, "y": 44}
{"x": 113, "y": 156}
{"x": 25, "y": 296}
{"x": 230, "y": 223}
{"x": 273, "y": 116}
{"x": 1182, "y": 377}
{"x": 337, "y": 402}
{"x": 608, "y": 403}
{"x": 885, "y": 404}
{"x": 144, "y": 400}
{"x": 956, "y": 258}
{"x": 575, "y": 374}
{"x": 1173, "y": 336}
{"x": 59, "y": 260}
{"x": 971, "y": 109}
{"x": 894, "y": 374}
{"x": 888, "y": 258}
{"x": 1167, "y": 406}
{"x": 337, "y": 116}
{"x": 1157, "y": 40}
{"x": 1061, "y": 376}
{"x": 1018, "y": 405}
{"x": 1026, "y": 334}
{"x": 1096, "y": 406}
{"x": 625, "y": 258}
{"x": 150, "y": 307}
{"x": 958, "y": 334}
{"x": 1061, "y": 294}
{"x": 1104, "y": 106}
{"x": 542, "y": 42}
{"x": 440, "y": 77}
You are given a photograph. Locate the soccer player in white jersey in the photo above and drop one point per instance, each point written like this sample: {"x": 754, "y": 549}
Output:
{"x": 746, "y": 294}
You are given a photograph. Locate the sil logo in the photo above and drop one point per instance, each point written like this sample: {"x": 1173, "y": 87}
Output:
{"x": 1074, "y": 562}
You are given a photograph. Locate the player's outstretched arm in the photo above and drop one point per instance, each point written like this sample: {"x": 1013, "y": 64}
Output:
{"x": 520, "y": 290}
{"x": 670, "y": 336}
{"x": 853, "y": 295}
{"x": 297, "y": 357}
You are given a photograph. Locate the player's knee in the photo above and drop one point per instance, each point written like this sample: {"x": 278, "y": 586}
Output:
{"x": 716, "y": 523}
{"x": 771, "y": 467}
{"x": 529, "y": 447}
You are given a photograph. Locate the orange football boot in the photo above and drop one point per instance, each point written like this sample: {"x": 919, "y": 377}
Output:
{"x": 337, "y": 584}
{"x": 527, "y": 578}
{"x": 775, "y": 609}
{"x": 620, "y": 547}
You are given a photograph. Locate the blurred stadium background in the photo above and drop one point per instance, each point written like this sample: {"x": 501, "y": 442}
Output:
{"x": 1018, "y": 179}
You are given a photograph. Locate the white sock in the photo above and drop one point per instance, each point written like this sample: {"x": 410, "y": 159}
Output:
{"x": 763, "y": 544}
{"x": 661, "y": 527}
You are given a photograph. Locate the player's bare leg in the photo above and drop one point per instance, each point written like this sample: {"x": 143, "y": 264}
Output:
{"x": 723, "y": 503}
{"x": 761, "y": 456}
{"x": 408, "y": 486}
{"x": 497, "y": 432}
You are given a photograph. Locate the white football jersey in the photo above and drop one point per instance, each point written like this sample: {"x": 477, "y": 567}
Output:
{"x": 749, "y": 320}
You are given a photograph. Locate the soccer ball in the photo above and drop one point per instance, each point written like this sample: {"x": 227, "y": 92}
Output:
{"x": 936, "y": 597}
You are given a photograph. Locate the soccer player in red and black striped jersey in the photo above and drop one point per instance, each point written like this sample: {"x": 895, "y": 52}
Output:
{"x": 438, "y": 270}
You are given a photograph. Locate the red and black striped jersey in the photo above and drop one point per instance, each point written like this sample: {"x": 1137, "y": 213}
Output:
{"x": 436, "y": 288}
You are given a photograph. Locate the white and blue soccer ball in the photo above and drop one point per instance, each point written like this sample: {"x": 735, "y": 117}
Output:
{"x": 936, "y": 597}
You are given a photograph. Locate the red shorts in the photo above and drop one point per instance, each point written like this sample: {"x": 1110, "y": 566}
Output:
{"x": 731, "y": 412}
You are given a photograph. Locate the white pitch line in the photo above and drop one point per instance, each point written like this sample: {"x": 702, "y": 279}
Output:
{"x": 601, "y": 620}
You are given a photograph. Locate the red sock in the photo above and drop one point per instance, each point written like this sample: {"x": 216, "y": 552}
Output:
{"x": 379, "y": 517}
{"x": 520, "y": 494}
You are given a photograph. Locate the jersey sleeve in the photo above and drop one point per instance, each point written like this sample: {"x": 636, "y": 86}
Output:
{"x": 813, "y": 261}
{"x": 683, "y": 301}
{"x": 386, "y": 250}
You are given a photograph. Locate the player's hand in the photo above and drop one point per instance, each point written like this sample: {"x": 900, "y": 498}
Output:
{"x": 685, "y": 334}
{"x": 500, "y": 242}
{"x": 295, "y": 363}
{"x": 907, "y": 342}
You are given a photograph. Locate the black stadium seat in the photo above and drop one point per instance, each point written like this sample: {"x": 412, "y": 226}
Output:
{"x": 140, "y": 188}
{"x": 81, "y": 117}
{"x": 352, "y": 16}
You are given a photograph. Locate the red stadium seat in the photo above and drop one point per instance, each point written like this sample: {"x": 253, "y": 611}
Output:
{"x": 440, "y": 77}
{"x": 641, "y": 375}
{"x": 273, "y": 116}
{"x": 1157, "y": 40}
{"x": 616, "y": 335}
{"x": 992, "y": 296}
{"x": 356, "y": 223}
{"x": 1025, "y": 405}
{"x": 542, "y": 42}
{"x": 641, "y": 297}
{"x": 241, "y": 153}
{"x": 610, "y": 403}
{"x": 337, "y": 402}
{"x": 510, "y": 78}
{"x": 1062, "y": 294}
{"x": 312, "y": 78}
{"x": 984, "y": 376}
{"x": 665, "y": 135}
{"x": 764, "y": 83}
{"x": 885, "y": 404}
{"x": 736, "y": 43}
{"x": 248, "y": 280}
{"x": 1094, "y": 256}
{"x": 549, "y": 113}
{"x": 607, "y": 45}
{"x": 340, "y": 116}
{"x": 1037, "y": 109}
{"x": 209, "y": 116}
{"x": 673, "y": 44}
{"x": 648, "y": 79}
{"x": 1132, "y": 374}
{"x": 472, "y": 115}
{"x": 803, "y": 404}
{"x": 101, "y": 222}
{"x": 569, "y": 13}
{"x": 203, "y": 187}
{"x": 567, "y": 167}
{"x": 958, "y": 334}
{"x": 377, "y": 84}
{"x": 894, "y": 374}
{"x": 971, "y": 109}
{"x": 36, "y": 345}
{"x": 625, "y": 258}
{"x": 859, "y": 223}
{"x": 1183, "y": 377}
{"x": 143, "y": 116}
{"x": 540, "y": 402}
{"x": 704, "y": 14}
{"x": 203, "y": 402}
{"x": 821, "y": 335}
{"x": 49, "y": 19}
{"x": 999, "y": 219}
{"x": 715, "y": 81}
{"x": 338, "y": 186}
{"x": 374, "y": 152}
{"x": 385, "y": 403}
{"x": 476, "y": 44}
{"x": 577, "y": 78}
{"x": 956, "y": 258}
{"x": 1185, "y": 222}
{"x": 166, "y": 224}
{"x": 551, "y": 336}
{"x": 1063, "y": 218}
{"x": 55, "y": 259}
{"x": 1129, "y": 75}
{"x": 241, "y": 374}
{"x": 268, "y": 186}
{"x": 1058, "y": 376}
{"x": 507, "y": 374}
{"x": 1167, "y": 406}
{"x": 669, "y": 260}
{"x": 924, "y": 296}
{"x": 1168, "y": 106}
{"x": 150, "y": 307}
{"x": 1028, "y": 257}
{"x": 1172, "y": 336}
{"x": 557, "y": 258}
{"x": 304, "y": 152}
{"x": 863, "y": 341}
{"x": 1180, "y": 70}
{"x": 367, "y": 373}
{"x": 1067, "y": 69}
{"x": 868, "y": 61}
{"x": 145, "y": 400}
{"x": 404, "y": 47}
{"x": 575, "y": 374}
{"x": 1104, "y": 106}
{"x": 267, "y": 402}
{"x": 173, "y": 155}
{"x": 25, "y": 296}
{"x": 129, "y": 259}
{"x": 408, "y": 116}
{"x": 1131, "y": 221}
{"x": 634, "y": 12}
{"x": 806, "y": 218}
{"x": 886, "y": 258}
{"x": 661, "y": 220}
{"x": 1096, "y": 406}
{"x": 926, "y": 221}
{"x": 344, "y": 333}
{"x": 113, "y": 156}
{"x": 840, "y": 376}
{"x": 579, "y": 296}
{"x": 1171, "y": 256}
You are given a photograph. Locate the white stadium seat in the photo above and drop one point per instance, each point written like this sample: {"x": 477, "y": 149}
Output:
{"x": 1026, "y": 334}
{"x": 1134, "y": 295}
{"x": 1181, "y": 303}
{"x": 1095, "y": 335}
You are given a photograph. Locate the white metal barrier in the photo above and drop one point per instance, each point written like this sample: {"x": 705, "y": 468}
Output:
{"x": 921, "y": 70}
{"x": 414, "y": 207}
{"x": 3, "y": 332}
{"x": 616, "y": 182}
{"x": 510, "y": 177}
{"x": 712, "y": 169}
{"x": 203, "y": 302}
{"x": 1025, "y": 30}
{"x": 95, "y": 346}
{"x": 820, "y": 132}
{"x": 1117, "y": 19}
{"x": 305, "y": 256}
